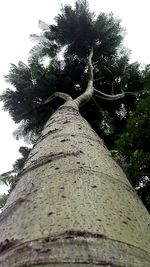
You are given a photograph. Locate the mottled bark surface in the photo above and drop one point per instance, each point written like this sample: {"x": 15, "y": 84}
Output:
{"x": 73, "y": 205}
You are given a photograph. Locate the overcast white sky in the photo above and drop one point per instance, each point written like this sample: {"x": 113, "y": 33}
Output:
{"x": 19, "y": 18}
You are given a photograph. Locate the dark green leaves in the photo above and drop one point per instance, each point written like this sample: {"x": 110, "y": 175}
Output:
{"x": 134, "y": 145}
{"x": 3, "y": 199}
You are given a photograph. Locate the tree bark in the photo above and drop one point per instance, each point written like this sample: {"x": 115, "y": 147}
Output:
{"x": 72, "y": 204}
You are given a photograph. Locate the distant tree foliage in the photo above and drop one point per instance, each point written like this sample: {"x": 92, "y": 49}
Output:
{"x": 9, "y": 178}
{"x": 19, "y": 163}
{"x": 134, "y": 146}
{"x": 3, "y": 199}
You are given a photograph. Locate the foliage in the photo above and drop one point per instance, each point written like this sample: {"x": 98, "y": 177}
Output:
{"x": 143, "y": 191}
{"x": 9, "y": 178}
{"x": 134, "y": 145}
{"x": 19, "y": 163}
{"x": 67, "y": 43}
{"x": 31, "y": 87}
{"x": 3, "y": 199}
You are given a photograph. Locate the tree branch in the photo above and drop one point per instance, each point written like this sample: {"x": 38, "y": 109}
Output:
{"x": 86, "y": 96}
{"x": 134, "y": 93}
{"x": 98, "y": 79}
{"x": 109, "y": 97}
{"x": 64, "y": 96}
{"x": 114, "y": 97}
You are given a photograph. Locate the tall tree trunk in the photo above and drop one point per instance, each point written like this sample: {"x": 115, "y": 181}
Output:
{"x": 72, "y": 204}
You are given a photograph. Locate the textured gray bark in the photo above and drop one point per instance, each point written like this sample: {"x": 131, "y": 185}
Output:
{"x": 73, "y": 205}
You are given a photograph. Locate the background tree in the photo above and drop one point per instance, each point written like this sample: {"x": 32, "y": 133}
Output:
{"x": 112, "y": 72}
{"x": 134, "y": 145}
{"x": 10, "y": 178}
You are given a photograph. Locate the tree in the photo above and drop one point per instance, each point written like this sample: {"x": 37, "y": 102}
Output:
{"x": 112, "y": 73}
{"x": 74, "y": 205}
{"x": 9, "y": 178}
{"x": 133, "y": 145}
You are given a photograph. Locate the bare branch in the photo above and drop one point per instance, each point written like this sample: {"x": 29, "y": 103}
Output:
{"x": 98, "y": 79}
{"x": 134, "y": 93}
{"x": 86, "y": 96}
{"x": 114, "y": 97}
{"x": 109, "y": 97}
{"x": 64, "y": 96}
{"x": 107, "y": 69}
{"x": 112, "y": 88}
{"x": 100, "y": 109}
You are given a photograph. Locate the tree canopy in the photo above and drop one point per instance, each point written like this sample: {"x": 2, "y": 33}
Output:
{"x": 133, "y": 145}
{"x": 66, "y": 44}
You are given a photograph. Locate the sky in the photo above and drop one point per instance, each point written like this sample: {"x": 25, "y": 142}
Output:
{"x": 19, "y": 19}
